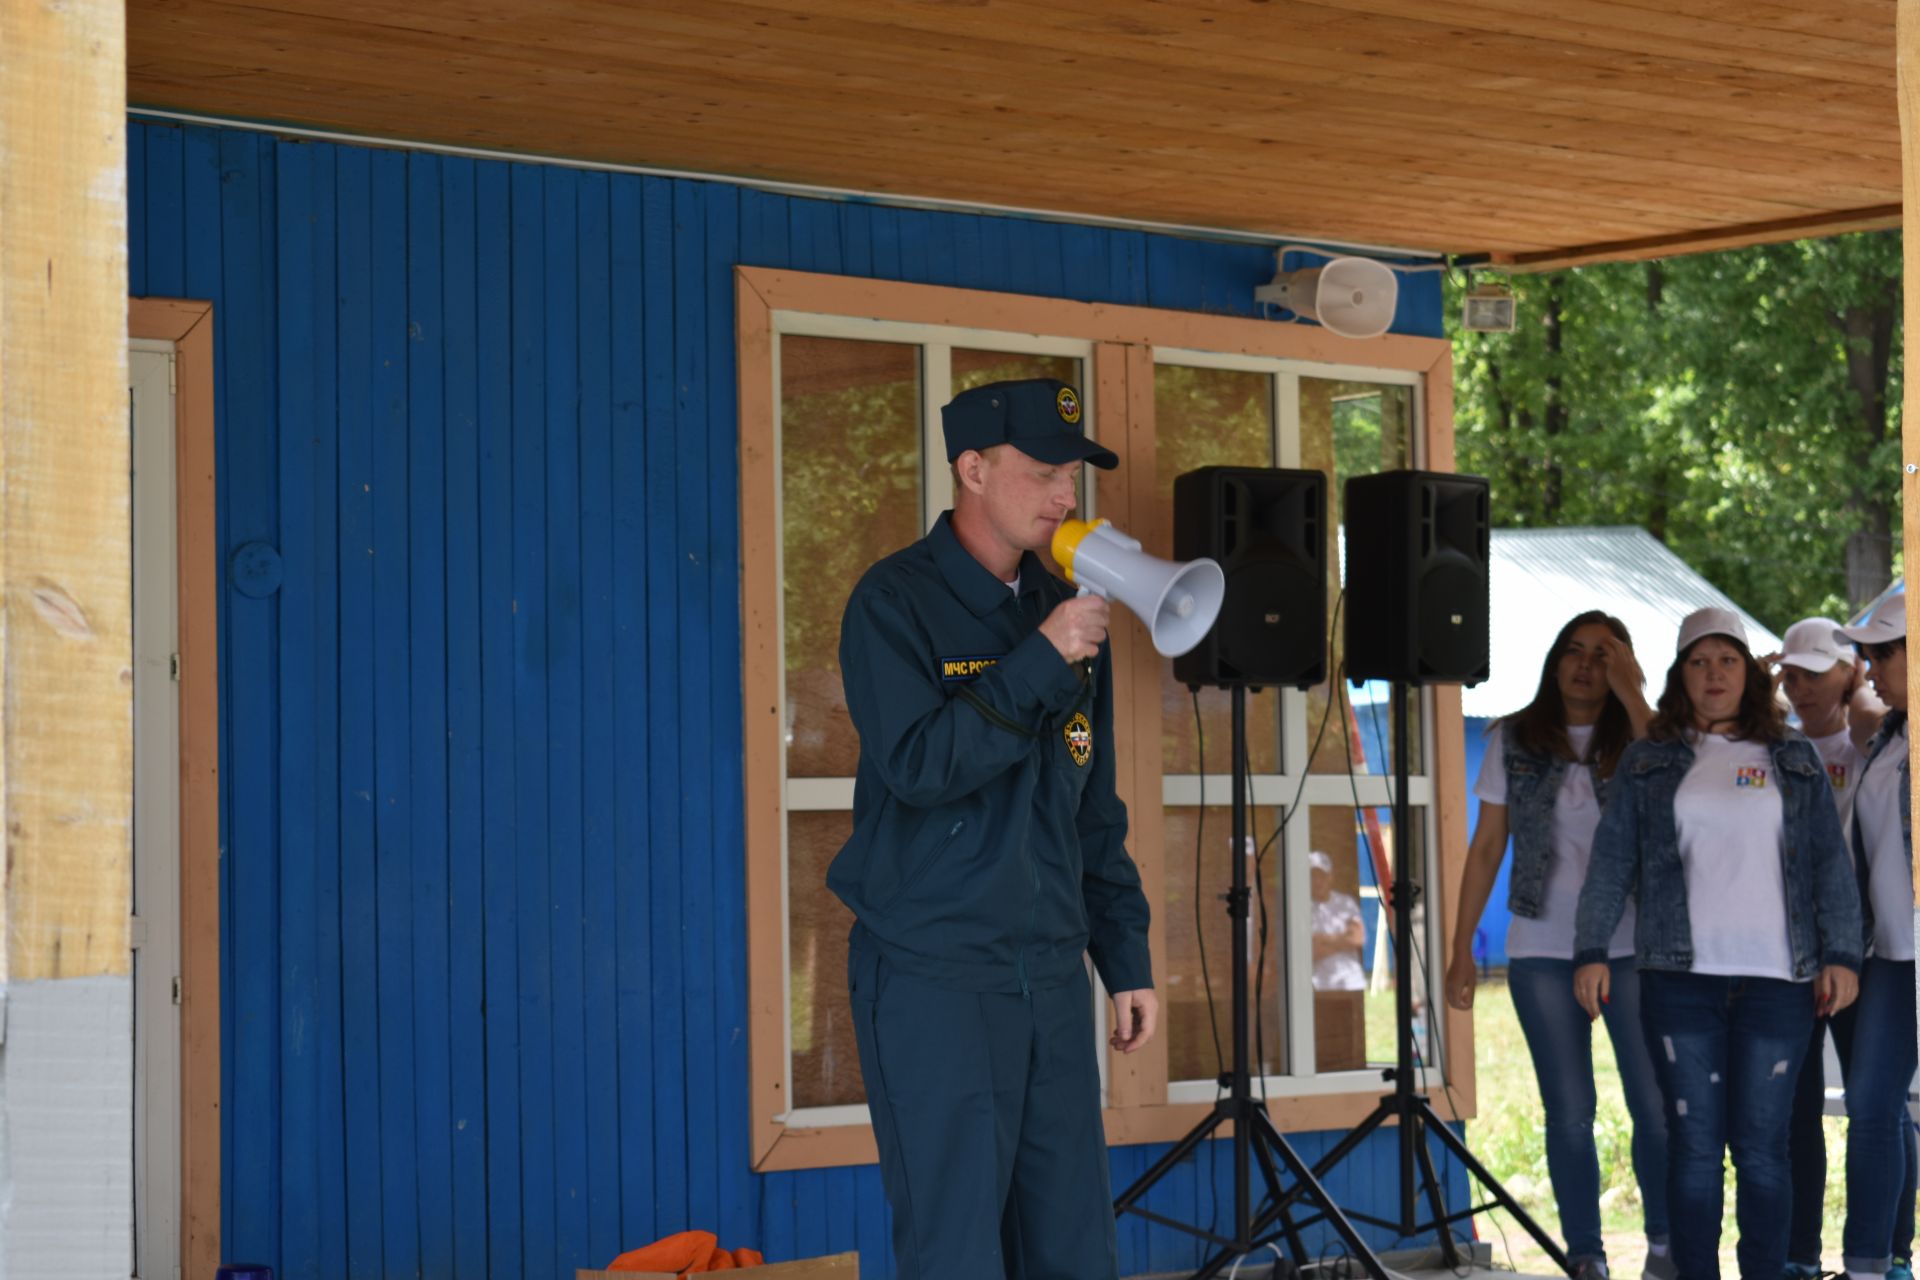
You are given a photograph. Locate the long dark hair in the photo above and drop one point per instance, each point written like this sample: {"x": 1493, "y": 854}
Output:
{"x": 1540, "y": 727}
{"x": 1759, "y": 719}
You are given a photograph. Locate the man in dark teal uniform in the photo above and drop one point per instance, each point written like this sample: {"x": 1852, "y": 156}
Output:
{"x": 987, "y": 861}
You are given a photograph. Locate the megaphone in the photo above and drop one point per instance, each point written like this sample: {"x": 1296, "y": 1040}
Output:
{"x": 1178, "y": 602}
{"x": 1353, "y": 297}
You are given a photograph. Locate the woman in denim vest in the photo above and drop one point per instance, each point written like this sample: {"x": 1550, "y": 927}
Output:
{"x": 1721, "y": 824}
{"x": 1544, "y": 775}
{"x": 1876, "y": 1036}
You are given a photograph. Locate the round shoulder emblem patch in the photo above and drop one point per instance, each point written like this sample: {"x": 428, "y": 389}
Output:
{"x": 1069, "y": 405}
{"x": 1079, "y": 736}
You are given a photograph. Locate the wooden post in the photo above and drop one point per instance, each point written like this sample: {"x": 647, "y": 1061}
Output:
{"x": 66, "y": 683}
{"x": 1907, "y": 42}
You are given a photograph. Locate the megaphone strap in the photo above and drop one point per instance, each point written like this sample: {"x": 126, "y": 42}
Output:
{"x": 998, "y": 718}
{"x": 992, "y": 713}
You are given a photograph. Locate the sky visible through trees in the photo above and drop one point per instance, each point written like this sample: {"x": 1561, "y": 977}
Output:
{"x": 1744, "y": 407}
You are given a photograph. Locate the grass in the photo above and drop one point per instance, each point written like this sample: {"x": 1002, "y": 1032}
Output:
{"x": 1507, "y": 1137}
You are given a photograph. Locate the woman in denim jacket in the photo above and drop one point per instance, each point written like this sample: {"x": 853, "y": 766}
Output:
{"x": 1544, "y": 776}
{"x": 1825, "y": 683}
{"x": 1876, "y": 1037}
{"x": 1722, "y": 825}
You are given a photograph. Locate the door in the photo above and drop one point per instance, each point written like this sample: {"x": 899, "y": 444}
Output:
{"x": 156, "y": 814}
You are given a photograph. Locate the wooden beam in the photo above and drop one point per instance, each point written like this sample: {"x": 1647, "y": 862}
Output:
{"x": 1907, "y": 40}
{"x": 66, "y": 645}
{"x": 1872, "y": 218}
{"x": 1507, "y": 125}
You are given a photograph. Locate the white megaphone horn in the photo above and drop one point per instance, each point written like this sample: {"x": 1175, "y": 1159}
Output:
{"x": 1178, "y": 602}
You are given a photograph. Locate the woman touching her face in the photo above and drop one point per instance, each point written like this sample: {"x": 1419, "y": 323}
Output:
{"x": 1543, "y": 778}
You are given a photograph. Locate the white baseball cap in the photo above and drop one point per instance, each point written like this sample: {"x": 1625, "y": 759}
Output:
{"x": 1710, "y": 622}
{"x": 1810, "y": 644}
{"x": 1319, "y": 861}
{"x": 1888, "y": 621}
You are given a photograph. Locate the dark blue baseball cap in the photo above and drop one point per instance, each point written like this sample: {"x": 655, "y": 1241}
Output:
{"x": 1041, "y": 417}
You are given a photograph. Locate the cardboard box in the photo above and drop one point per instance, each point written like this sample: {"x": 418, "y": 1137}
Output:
{"x": 841, "y": 1266}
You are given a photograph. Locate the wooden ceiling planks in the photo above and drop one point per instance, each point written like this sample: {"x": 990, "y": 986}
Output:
{"x": 1533, "y": 131}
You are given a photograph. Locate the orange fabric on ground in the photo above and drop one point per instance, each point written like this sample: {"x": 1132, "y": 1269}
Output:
{"x": 686, "y": 1253}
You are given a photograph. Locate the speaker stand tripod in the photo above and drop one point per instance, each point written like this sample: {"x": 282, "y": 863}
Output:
{"x": 1406, "y": 1106}
{"x": 1254, "y": 1136}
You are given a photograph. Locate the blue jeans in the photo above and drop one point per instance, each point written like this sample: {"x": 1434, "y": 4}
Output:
{"x": 1875, "y": 1039}
{"x": 1728, "y": 1054}
{"x": 1560, "y": 1038}
{"x": 1807, "y": 1153}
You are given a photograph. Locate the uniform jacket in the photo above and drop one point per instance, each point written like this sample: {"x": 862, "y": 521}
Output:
{"x": 1638, "y": 845}
{"x": 988, "y": 842}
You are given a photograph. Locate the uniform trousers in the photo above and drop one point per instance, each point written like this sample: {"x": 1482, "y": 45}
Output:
{"x": 986, "y": 1110}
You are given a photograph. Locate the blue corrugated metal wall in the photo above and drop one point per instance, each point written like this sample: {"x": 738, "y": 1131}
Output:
{"x": 484, "y": 966}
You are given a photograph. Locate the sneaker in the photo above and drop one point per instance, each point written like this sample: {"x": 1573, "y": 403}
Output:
{"x": 1660, "y": 1267}
{"x": 1801, "y": 1271}
{"x": 1591, "y": 1269}
{"x": 1902, "y": 1269}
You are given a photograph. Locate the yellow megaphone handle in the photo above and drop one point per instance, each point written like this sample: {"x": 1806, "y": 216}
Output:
{"x": 1066, "y": 541}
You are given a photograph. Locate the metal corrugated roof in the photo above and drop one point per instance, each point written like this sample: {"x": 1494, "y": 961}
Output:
{"x": 1542, "y": 577}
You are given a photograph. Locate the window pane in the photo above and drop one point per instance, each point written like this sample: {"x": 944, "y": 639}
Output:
{"x": 1351, "y": 429}
{"x": 1189, "y": 1027}
{"x": 1354, "y": 974}
{"x": 826, "y": 1063}
{"x": 850, "y": 494}
{"x": 1207, "y": 418}
{"x": 977, "y": 368}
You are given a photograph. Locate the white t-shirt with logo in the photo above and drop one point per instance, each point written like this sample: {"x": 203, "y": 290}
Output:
{"x": 1576, "y": 815}
{"x": 1844, "y": 765}
{"x": 1732, "y": 829}
{"x": 1876, "y": 808}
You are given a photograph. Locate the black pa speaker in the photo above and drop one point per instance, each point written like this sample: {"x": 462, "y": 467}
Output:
{"x": 1268, "y": 529}
{"x": 1416, "y": 601}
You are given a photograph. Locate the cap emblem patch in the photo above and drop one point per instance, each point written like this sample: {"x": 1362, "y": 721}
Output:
{"x": 1069, "y": 405}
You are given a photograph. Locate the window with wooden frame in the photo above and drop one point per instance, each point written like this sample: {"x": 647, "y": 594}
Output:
{"x": 841, "y": 383}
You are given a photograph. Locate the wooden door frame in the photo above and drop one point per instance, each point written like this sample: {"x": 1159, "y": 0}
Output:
{"x": 189, "y": 326}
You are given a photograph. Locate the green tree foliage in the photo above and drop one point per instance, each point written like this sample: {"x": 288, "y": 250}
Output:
{"x": 1744, "y": 407}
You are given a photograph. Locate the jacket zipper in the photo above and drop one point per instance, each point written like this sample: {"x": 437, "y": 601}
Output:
{"x": 994, "y": 717}
{"x": 1033, "y": 872}
{"x": 1033, "y": 911}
